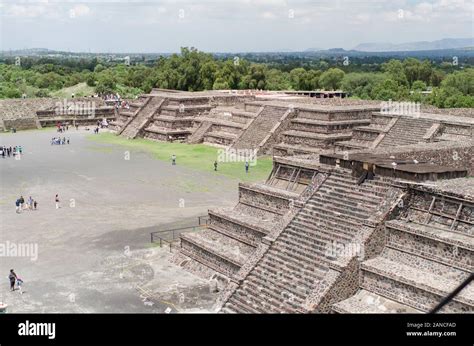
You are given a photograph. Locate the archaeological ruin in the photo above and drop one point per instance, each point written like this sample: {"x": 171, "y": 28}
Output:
{"x": 364, "y": 211}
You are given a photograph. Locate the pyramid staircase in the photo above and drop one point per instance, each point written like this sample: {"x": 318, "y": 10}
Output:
{"x": 303, "y": 263}
{"x": 261, "y": 128}
{"x": 125, "y": 116}
{"x": 234, "y": 234}
{"x": 142, "y": 117}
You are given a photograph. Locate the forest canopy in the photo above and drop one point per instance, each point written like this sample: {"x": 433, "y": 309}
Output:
{"x": 442, "y": 84}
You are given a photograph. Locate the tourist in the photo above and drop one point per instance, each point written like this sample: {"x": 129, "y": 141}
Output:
{"x": 2, "y": 152}
{"x": 173, "y": 159}
{"x": 35, "y": 204}
{"x": 68, "y": 140}
{"x": 22, "y": 201}
{"x": 57, "y": 201}
{"x": 12, "y": 277}
{"x": 20, "y": 149}
{"x": 215, "y": 165}
{"x": 30, "y": 203}
{"x": 17, "y": 205}
{"x": 246, "y": 166}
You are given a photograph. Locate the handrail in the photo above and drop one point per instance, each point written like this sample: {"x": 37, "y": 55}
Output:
{"x": 203, "y": 221}
{"x": 453, "y": 294}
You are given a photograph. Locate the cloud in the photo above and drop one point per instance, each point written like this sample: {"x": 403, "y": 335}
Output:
{"x": 80, "y": 10}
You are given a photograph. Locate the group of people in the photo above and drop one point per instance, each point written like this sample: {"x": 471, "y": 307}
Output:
{"x": 58, "y": 140}
{"x": 11, "y": 151}
{"x": 15, "y": 279}
{"x": 20, "y": 204}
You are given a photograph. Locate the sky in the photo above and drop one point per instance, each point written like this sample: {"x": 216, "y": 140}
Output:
{"x": 150, "y": 26}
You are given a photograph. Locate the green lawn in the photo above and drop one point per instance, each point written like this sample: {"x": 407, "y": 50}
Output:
{"x": 79, "y": 90}
{"x": 196, "y": 156}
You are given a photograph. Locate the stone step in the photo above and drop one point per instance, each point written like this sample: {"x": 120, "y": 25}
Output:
{"x": 350, "y": 226}
{"x": 252, "y": 302}
{"x": 249, "y": 240}
{"x": 296, "y": 251}
{"x": 355, "y": 189}
{"x": 365, "y": 302}
{"x": 243, "y": 305}
{"x": 432, "y": 266}
{"x": 359, "y": 209}
{"x": 324, "y": 231}
{"x": 408, "y": 285}
{"x": 355, "y": 193}
{"x": 220, "y": 245}
{"x": 333, "y": 211}
{"x": 447, "y": 247}
{"x": 230, "y": 308}
{"x": 310, "y": 245}
{"x": 288, "y": 276}
{"x": 274, "y": 296}
{"x": 353, "y": 144}
{"x": 280, "y": 283}
{"x": 248, "y": 221}
{"x": 307, "y": 270}
{"x": 348, "y": 200}
{"x": 221, "y": 134}
{"x": 363, "y": 199}
{"x": 367, "y": 184}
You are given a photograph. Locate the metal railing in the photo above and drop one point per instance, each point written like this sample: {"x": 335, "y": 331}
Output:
{"x": 170, "y": 236}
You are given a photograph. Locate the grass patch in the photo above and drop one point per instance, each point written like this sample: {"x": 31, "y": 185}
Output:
{"x": 196, "y": 156}
{"x": 79, "y": 90}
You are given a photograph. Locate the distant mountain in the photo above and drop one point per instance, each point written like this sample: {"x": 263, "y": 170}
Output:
{"x": 446, "y": 43}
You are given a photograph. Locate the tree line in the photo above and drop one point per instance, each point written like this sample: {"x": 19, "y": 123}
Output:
{"x": 443, "y": 85}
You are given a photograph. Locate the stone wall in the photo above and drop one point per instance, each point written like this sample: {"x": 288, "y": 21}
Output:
{"x": 20, "y": 124}
{"x": 451, "y": 154}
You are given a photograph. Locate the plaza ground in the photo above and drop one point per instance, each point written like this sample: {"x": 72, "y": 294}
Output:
{"x": 94, "y": 253}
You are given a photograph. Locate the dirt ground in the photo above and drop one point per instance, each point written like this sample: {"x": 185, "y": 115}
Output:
{"x": 94, "y": 252}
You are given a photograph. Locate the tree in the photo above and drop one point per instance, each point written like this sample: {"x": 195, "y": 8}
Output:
{"x": 418, "y": 85}
{"x": 395, "y": 71}
{"x": 331, "y": 79}
{"x": 385, "y": 90}
{"x": 105, "y": 84}
{"x": 220, "y": 84}
{"x": 90, "y": 81}
{"x": 361, "y": 84}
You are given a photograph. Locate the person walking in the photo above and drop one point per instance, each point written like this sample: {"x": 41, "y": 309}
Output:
{"x": 215, "y": 165}
{"x": 57, "y": 201}
{"x": 246, "y": 166}
{"x": 30, "y": 203}
{"x": 22, "y": 202}
{"x": 17, "y": 206}
{"x": 12, "y": 277}
{"x": 173, "y": 160}
{"x": 35, "y": 204}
